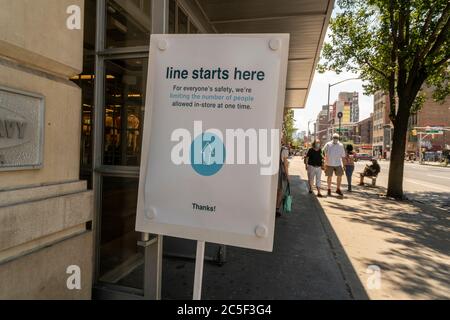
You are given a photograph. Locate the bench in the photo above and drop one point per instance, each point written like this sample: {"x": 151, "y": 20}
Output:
{"x": 374, "y": 179}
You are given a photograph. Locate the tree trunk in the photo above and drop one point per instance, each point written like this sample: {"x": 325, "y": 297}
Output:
{"x": 397, "y": 165}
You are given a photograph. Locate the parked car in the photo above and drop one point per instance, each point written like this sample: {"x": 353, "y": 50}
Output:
{"x": 363, "y": 156}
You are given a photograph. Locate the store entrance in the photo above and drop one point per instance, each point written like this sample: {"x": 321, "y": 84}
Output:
{"x": 113, "y": 83}
{"x": 121, "y": 260}
{"x": 124, "y": 111}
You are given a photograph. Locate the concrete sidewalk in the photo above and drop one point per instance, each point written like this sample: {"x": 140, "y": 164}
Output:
{"x": 428, "y": 163}
{"x": 435, "y": 164}
{"x": 407, "y": 241}
{"x": 308, "y": 262}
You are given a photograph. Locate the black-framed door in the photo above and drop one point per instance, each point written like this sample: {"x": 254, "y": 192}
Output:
{"x": 123, "y": 31}
{"x": 120, "y": 260}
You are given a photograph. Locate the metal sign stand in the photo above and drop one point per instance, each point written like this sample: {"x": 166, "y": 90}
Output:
{"x": 199, "y": 263}
{"x": 146, "y": 220}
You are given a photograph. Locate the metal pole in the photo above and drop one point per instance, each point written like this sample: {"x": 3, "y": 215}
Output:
{"x": 153, "y": 253}
{"x": 328, "y": 105}
{"x": 309, "y": 131}
{"x": 199, "y": 262}
{"x": 329, "y": 93}
{"x": 420, "y": 148}
{"x": 98, "y": 131}
{"x": 159, "y": 263}
{"x": 315, "y": 131}
{"x": 340, "y": 124}
{"x": 154, "y": 248}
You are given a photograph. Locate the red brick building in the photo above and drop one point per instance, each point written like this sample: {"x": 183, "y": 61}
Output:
{"x": 432, "y": 114}
{"x": 364, "y": 135}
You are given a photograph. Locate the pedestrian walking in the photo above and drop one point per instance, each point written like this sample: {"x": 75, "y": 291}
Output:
{"x": 349, "y": 164}
{"x": 283, "y": 189}
{"x": 314, "y": 164}
{"x": 334, "y": 153}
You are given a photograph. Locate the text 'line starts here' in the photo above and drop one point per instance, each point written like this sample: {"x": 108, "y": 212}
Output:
{"x": 214, "y": 74}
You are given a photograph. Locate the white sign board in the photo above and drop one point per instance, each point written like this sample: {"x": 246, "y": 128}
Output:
{"x": 211, "y": 146}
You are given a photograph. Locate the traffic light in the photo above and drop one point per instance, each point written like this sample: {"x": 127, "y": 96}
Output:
{"x": 414, "y": 132}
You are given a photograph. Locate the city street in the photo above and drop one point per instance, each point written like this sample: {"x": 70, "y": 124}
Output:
{"x": 397, "y": 249}
{"x": 338, "y": 248}
{"x": 423, "y": 183}
{"x": 155, "y": 150}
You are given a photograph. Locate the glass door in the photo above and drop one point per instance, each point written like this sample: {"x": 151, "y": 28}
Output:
{"x": 122, "y": 43}
{"x": 121, "y": 261}
{"x": 117, "y": 36}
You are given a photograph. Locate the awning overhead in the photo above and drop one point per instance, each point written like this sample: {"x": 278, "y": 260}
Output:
{"x": 306, "y": 20}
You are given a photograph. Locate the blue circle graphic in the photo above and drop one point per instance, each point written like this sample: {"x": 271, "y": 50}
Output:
{"x": 207, "y": 154}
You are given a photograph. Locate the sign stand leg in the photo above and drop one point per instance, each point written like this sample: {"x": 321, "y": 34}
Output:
{"x": 199, "y": 262}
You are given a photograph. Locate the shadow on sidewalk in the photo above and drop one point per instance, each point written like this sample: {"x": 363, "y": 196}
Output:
{"x": 438, "y": 200}
{"x": 353, "y": 282}
{"x": 420, "y": 233}
{"x": 308, "y": 263}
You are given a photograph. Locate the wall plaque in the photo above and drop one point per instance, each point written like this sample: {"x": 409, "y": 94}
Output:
{"x": 21, "y": 130}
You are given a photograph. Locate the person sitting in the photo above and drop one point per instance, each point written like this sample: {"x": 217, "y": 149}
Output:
{"x": 370, "y": 171}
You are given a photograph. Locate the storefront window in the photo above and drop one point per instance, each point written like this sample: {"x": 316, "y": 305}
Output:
{"x": 86, "y": 81}
{"x": 179, "y": 21}
{"x": 182, "y": 22}
{"x": 128, "y": 23}
{"x": 121, "y": 260}
{"x": 121, "y": 93}
{"x": 192, "y": 28}
{"x": 87, "y": 85}
{"x": 125, "y": 86}
{"x": 172, "y": 9}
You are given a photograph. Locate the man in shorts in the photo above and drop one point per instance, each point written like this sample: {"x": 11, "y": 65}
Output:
{"x": 334, "y": 153}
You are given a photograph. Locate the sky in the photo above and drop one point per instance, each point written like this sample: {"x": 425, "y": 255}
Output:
{"x": 318, "y": 94}
{"x": 318, "y": 97}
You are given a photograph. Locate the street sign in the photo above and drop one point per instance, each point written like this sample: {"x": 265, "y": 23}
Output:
{"x": 214, "y": 111}
{"x": 434, "y": 130}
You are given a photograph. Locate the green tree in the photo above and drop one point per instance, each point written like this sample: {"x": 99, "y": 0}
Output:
{"x": 289, "y": 126}
{"x": 297, "y": 143}
{"x": 398, "y": 46}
